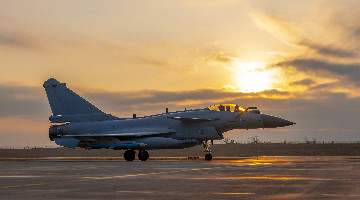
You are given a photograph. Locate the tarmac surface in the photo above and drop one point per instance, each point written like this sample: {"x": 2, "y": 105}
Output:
{"x": 218, "y": 150}
{"x": 298, "y": 177}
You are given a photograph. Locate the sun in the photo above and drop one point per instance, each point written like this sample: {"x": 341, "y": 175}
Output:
{"x": 252, "y": 76}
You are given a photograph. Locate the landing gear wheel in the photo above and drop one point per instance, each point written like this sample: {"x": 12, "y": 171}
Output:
{"x": 143, "y": 155}
{"x": 208, "y": 156}
{"x": 129, "y": 155}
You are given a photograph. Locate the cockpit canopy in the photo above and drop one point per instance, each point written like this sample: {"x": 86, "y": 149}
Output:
{"x": 227, "y": 107}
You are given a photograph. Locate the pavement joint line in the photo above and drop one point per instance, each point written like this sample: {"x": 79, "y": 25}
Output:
{"x": 235, "y": 193}
{"x": 101, "y": 178}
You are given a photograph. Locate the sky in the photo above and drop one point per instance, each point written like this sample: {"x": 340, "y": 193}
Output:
{"x": 298, "y": 60}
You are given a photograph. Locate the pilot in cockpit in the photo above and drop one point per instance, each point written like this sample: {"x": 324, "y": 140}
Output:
{"x": 222, "y": 108}
{"x": 228, "y": 108}
{"x": 237, "y": 108}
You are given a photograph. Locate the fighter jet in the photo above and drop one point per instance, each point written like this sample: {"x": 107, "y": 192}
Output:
{"x": 81, "y": 124}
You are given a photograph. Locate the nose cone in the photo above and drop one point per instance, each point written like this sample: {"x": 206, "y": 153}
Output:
{"x": 273, "y": 122}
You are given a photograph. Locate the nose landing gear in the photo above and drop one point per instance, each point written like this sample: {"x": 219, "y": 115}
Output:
{"x": 208, "y": 155}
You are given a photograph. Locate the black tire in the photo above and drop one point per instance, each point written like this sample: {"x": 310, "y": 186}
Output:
{"x": 208, "y": 157}
{"x": 143, "y": 155}
{"x": 129, "y": 155}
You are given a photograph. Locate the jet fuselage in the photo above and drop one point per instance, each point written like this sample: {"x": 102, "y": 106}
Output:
{"x": 84, "y": 125}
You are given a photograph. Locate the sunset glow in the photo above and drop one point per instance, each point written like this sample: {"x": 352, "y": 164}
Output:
{"x": 130, "y": 57}
{"x": 252, "y": 77}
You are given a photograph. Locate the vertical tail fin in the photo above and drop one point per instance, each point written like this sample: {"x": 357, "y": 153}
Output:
{"x": 63, "y": 101}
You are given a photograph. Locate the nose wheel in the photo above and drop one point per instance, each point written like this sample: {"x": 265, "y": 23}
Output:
{"x": 143, "y": 155}
{"x": 208, "y": 155}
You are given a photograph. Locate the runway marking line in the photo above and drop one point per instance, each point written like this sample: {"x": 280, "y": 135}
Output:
{"x": 235, "y": 193}
{"x": 102, "y": 178}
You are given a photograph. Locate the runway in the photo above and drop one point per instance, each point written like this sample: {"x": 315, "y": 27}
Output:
{"x": 246, "y": 178}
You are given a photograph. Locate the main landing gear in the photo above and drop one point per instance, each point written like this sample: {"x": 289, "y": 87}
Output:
{"x": 208, "y": 155}
{"x": 129, "y": 155}
{"x": 143, "y": 155}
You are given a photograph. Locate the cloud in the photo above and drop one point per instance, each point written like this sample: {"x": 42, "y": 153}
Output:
{"x": 325, "y": 86}
{"x": 328, "y": 50}
{"x": 22, "y": 101}
{"x": 322, "y": 68}
{"x": 17, "y": 39}
{"x": 282, "y": 29}
{"x": 149, "y": 97}
{"x": 18, "y": 35}
{"x": 221, "y": 57}
{"x": 341, "y": 43}
{"x": 272, "y": 92}
{"x": 305, "y": 82}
